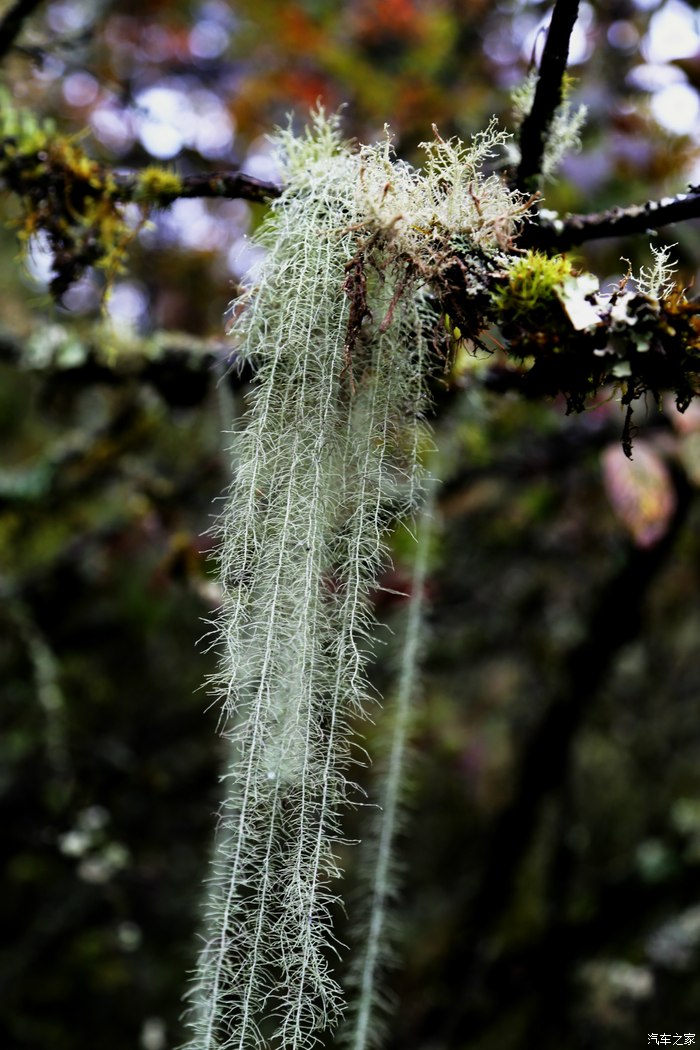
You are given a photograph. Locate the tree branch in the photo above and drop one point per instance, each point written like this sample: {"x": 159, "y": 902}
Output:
{"x": 224, "y": 184}
{"x": 12, "y": 23}
{"x": 182, "y": 368}
{"x": 58, "y": 186}
{"x": 548, "y": 94}
{"x": 560, "y": 234}
{"x": 632, "y": 340}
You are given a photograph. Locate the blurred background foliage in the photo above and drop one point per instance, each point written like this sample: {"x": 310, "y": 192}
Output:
{"x": 552, "y": 852}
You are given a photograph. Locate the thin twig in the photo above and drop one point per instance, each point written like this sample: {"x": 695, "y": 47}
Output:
{"x": 548, "y": 94}
{"x": 618, "y": 222}
{"x": 13, "y": 22}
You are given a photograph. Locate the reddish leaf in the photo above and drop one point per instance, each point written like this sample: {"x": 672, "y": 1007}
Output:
{"x": 640, "y": 491}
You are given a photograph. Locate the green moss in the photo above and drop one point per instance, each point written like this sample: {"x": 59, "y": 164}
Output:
{"x": 22, "y": 133}
{"x": 155, "y": 184}
{"x": 532, "y": 281}
{"x": 64, "y": 193}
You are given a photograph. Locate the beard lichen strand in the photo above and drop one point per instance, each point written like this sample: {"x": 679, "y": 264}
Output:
{"x": 375, "y": 949}
{"x": 298, "y": 902}
{"x": 299, "y": 402}
{"x": 399, "y": 385}
{"x": 369, "y": 443}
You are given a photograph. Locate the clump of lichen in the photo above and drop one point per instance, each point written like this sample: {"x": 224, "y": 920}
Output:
{"x": 564, "y": 135}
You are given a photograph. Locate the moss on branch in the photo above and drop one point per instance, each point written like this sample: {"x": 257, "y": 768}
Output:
{"x": 572, "y": 340}
{"x": 79, "y": 205}
{"x": 63, "y": 194}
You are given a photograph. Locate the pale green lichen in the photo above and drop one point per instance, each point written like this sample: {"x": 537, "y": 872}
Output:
{"x": 321, "y": 468}
{"x": 339, "y": 327}
{"x": 449, "y": 204}
{"x": 564, "y": 133}
{"x": 377, "y": 934}
{"x": 659, "y": 280}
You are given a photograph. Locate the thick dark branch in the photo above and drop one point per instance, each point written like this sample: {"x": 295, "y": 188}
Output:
{"x": 44, "y": 171}
{"x": 12, "y": 23}
{"x": 548, "y": 94}
{"x": 183, "y": 369}
{"x": 560, "y": 234}
{"x": 228, "y": 185}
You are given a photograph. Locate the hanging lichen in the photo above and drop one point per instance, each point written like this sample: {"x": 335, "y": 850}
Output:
{"x": 341, "y": 328}
{"x": 375, "y": 923}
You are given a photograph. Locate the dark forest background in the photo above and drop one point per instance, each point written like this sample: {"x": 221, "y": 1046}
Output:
{"x": 552, "y": 851}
